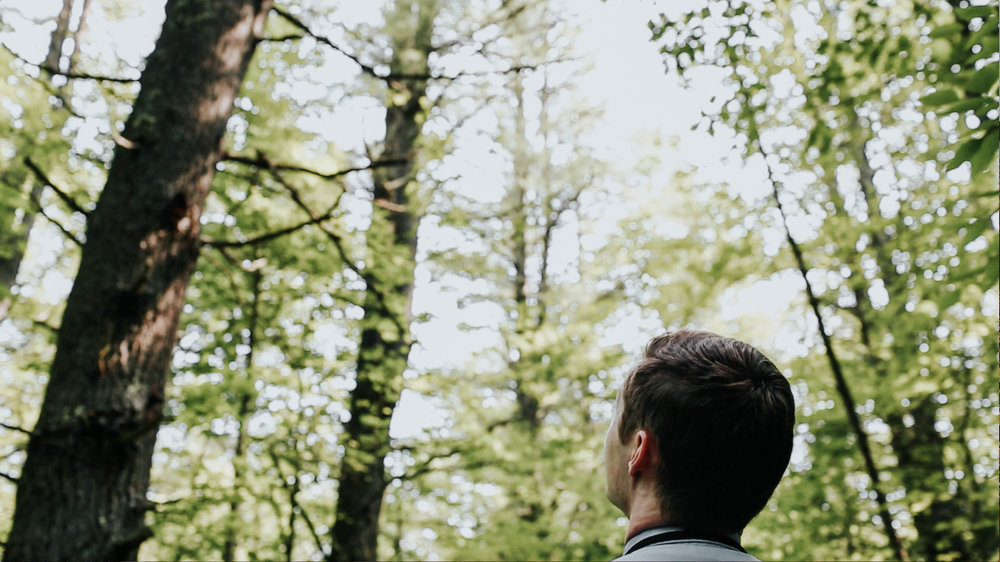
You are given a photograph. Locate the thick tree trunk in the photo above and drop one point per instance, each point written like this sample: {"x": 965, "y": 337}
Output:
{"x": 385, "y": 334}
{"x": 82, "y": 491}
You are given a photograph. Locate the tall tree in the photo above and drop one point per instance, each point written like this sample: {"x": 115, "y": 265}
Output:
{"x": 16, "y": 226}
{"x": 390, "y": 261}
{"x": 89, "y": 455}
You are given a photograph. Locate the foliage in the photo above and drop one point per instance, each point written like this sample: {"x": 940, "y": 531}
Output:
{"x": 876, "y": 124}
{"x": 894, "y": 223}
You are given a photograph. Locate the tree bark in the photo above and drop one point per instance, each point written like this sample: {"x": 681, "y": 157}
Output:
{"x": 82, "y": 491}
{"x": 385, "y": 335}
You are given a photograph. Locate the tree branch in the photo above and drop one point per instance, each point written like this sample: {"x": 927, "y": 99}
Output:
{"x": 261, "y": 161}
{"x": 87, "y": 76}
{"x": 71, "y": 75}
{"x": 296, "y": 22}
{"x": 840, "y": 381}
{"x": 293, "y": 500}
{"x": 72, "y": 237}
{"x": 337, "y": 242}
{"x": 62, "y": 194}
{"x": 393, "y": 78}
{"x": 15, "y": 428}
{"x": 275, "y": 234}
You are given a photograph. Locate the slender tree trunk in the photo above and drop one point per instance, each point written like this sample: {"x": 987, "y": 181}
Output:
{"x": 59, "y": 36}
{"x": 82, "y": 491}
{"x": 16, "y": 241}
{"x": 385, "y": 336}
{"x": 840, "y": 382}
{"x": 246, "y": 400}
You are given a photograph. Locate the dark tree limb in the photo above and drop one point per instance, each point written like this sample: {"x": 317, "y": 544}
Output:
{"x": 87, "y": 76}
{"x": 65, "y": 197}
{"x": 67, "y": 232}
{"x": 298, "y": 23}
{"x": 15, "y": 428}
{"x": 293, "y": 491}
{"x": 394, "y": 79}
{"x": 843, "y": 389}
{"x": 263, "y": 162}
{"x": 267, "y": 237}
{"x": 52, "y": 71}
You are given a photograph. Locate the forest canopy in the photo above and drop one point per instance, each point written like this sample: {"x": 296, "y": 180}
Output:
{"x": 361, "y": 280}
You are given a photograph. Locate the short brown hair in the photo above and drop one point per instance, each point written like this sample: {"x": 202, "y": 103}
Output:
{"x": 721, "y": 414}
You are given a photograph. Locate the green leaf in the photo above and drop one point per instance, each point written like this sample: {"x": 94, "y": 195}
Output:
{"x": 947, "y": 30}
{"x": 972, "y": 12}
{"x": 987, "y": 151}
{"x": 975, "y": 230}
{"x": 984, "y": 78}
{"x": 949, "y": 299}
{"x": 963, "y": 154}
{"x": 940, "y": 97}
{"x": 962, "y": 106}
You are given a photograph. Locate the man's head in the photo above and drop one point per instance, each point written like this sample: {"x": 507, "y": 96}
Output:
{"x": 705, "y": 423}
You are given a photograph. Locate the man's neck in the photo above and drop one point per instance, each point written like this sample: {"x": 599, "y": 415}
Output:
{"x": 644, "y": 514}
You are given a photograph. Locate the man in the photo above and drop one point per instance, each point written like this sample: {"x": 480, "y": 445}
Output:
{"x": 701, "y": 436}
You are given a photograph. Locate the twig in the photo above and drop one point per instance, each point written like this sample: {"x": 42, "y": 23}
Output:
{"x": 70, "y": 75}
{"x": 15, "y": 428}
{"x": 69, "y": 234}
{"x": 345, "y": 259}
{"x": 261, "y": 161}
{"x": 325, "y": 40}
{"x": 62, "y": 194}
{"x": 271, "y": 235}
{"x": 394, "y": 77}
{"x": 293, "y": 499}
{"x": 87, "y": 76}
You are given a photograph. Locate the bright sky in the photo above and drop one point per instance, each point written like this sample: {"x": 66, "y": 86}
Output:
{"x": 627, "y": 79}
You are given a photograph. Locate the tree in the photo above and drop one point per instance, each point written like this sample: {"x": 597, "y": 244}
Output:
{"x": 89, "y": 455}
{"x": 18, "y": 177}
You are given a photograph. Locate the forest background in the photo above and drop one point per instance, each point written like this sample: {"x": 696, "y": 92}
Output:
{"x": 347, "y": 280}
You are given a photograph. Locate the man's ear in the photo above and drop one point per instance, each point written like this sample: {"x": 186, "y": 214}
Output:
{"x": 643, "y": 453}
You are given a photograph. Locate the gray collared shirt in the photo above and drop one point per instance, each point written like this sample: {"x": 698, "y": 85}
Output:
{"x": 683, "y": 549}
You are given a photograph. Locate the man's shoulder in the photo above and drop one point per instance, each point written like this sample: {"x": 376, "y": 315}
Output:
{"x": 689, "y": 549}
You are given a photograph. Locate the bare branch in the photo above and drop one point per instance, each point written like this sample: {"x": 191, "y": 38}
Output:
{"x": 293, "y": 492}
{"x": 326, "y": 41}
{"x": 338, "y": 244}
{"x": 281, "y": 38}
{"x": 70, "y": 75}
{"x": 261, "y": 161}
{"x": 87, "y": 76}
{"x": 394, "y": 78}
{"x": 272, "y": 235}
{"x": 62, "y": 194}
{"x": 15, "y": 428}
{"x": 67, "y": 232}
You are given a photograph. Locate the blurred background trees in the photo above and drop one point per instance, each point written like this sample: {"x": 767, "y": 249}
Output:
{"x": 423, "y": 271}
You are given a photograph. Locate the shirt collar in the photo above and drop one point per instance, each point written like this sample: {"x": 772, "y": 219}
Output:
{"x": 650, "y": 531}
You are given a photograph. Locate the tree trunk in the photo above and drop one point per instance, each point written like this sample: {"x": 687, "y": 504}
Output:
{"x": 16, "y": 241}
{"x": 59, "y": 36}
{"x": 82, "y": 491}
{"x": 385, "y": 335}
